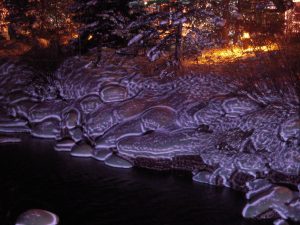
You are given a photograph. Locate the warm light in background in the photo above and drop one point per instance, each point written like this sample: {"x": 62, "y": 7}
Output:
{"x": 232, "y": 54}
{"x": 245, "y": 35}
{"x": 43, "y": 42}
{"x": 3, "y": 24}
{"x": 75, "y": 35}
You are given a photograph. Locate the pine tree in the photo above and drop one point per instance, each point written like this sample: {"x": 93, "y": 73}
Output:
{"x": 33, "y": 19}
{"x": 184, "y": 28}
{"x": 103, "y": 22}
{"x": 3, "y": 21}
{"x": 177, "y": 27}
{"x": 19, "y": 22}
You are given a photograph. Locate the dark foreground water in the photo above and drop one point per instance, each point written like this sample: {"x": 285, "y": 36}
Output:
{"x": 86, "y": 192}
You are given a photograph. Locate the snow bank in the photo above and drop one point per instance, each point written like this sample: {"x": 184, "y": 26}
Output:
{"x": 203, "y": 123}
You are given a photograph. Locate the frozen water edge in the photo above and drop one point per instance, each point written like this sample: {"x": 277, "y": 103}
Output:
{"x": 201, "y": 123}
{"x": 9, "y": 140}
{"x": 117, "y": 162}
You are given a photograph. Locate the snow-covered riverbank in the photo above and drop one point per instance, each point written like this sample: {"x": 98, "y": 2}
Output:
{"x": 205, "y": 123}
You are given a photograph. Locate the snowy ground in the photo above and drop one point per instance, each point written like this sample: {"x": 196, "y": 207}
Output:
{"x": 201, "y": 122}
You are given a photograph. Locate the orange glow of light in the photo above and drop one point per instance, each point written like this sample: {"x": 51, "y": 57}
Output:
{"x": 43, "y": 42}
{"x": 90, "y": 37}
{"x": 185, "y": 29}
{"x": 232, "y": 54}
{"x": 245, "y": 35}
{"x": 4, "y": 24}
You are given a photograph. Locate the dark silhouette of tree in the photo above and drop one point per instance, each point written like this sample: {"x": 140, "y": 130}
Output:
{"x": 19, "y": 22}
{"x": 283, "y": 5}
{"x": 102, "y": 22}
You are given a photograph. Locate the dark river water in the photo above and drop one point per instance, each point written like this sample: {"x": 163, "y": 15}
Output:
{"x": 86, "y": 192}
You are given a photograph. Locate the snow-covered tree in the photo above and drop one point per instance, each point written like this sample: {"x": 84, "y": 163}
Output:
{"x": 184, "y": 28}
{"x": 178, "y": 27}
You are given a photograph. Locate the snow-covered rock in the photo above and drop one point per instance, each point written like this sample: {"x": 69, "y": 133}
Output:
{"x": 90, "y": 103}
{"x": 118, "y": 162}
{"x": 76, "y": 134}
{"x": 206, "y": 123}
{"x": 71, "y": 118}
{"x": 49, "y": 128}
{"x": 128, "y": 128}
{"x": 102, "y": 154}
{"x": 64, "y": 145}
{"x": 286, "y": 160}
{"x": 275, "y": 199}
{"x": 46, "y": 110}
{"x": 7, "y": 139}
{"x": 159, "y": 117}
{"x": 113, "y": 93}
{"x": 82, "y": 150}
{"x": 238, "y": 106}
{"x": 163, "y": 145}
{"x": 290, "y": 129}
{"x": 264, "y": 197}
{"x": 37, "y": 217}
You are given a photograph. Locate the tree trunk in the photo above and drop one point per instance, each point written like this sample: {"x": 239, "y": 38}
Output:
{"x": 11, "y": 32}
{"x": 99, "y": 55}
{"x": 178, "y": 43}
{"x": 226, "y": 16}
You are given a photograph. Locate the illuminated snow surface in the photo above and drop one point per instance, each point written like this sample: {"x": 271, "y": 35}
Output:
{"x": 37, "y": 217}
{"x": 7, "y": 139}
{"x": 203, "y": 123}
